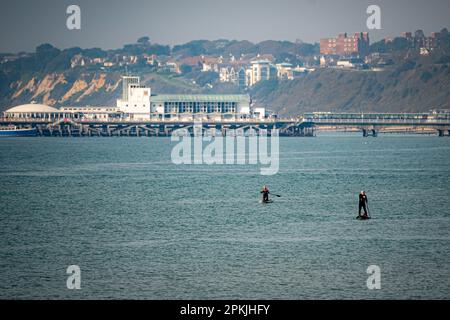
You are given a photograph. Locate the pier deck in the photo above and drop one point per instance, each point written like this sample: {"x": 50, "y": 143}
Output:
{"x": 368, "y": 124}
{"x": 153, "y": 127}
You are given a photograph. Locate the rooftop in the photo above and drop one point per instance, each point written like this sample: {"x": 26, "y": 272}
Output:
{"x": 201, "y": 98}
{"x": 32, "y": 108}
{"x": 260, "y": 62}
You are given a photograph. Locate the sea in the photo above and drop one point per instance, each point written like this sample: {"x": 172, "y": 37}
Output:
{"x": 139, "y": 226}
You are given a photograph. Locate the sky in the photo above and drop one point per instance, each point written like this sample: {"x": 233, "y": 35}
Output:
{"x": 109, "y": 24}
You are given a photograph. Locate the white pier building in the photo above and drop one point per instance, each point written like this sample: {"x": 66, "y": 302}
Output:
{"x": 138, "y": 103}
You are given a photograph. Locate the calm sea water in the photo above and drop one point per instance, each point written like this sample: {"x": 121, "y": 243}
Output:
{"x": 141, "y": 227}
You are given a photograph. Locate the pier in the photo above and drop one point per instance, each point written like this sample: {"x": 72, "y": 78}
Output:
{"x": 68, "y": 127}
{"x": 369, "y": 124}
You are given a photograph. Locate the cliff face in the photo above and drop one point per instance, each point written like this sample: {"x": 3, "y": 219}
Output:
{"x": 78, "y": 89}
{"x": 55, "y": 89}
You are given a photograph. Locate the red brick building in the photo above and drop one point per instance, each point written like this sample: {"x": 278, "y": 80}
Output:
{"x": 357, "y": 44}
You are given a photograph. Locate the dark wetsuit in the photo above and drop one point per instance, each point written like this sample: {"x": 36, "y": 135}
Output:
{"x": 265, "y": 193}
{"x": 362, "y": 203}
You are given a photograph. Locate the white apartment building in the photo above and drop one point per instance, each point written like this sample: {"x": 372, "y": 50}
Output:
{"x": 260, "y": 70}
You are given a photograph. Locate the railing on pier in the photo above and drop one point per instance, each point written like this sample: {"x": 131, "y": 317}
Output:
{"x": 361, "y": 121}
{"x": 144, "y": 121}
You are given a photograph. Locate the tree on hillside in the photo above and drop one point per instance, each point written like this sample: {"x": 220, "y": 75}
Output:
{"x": 46, "y": 49}
{"x": 137, "y": 49}
{"x": 307, "y": 49}
{"x": 143, "y": 41}
{"x": 192, "y": 48}
{"x": 398, "y": 44}
{"x": 45, "y": 53}
{"x": 94, "y": 53}
{"x": 185, "y": 68}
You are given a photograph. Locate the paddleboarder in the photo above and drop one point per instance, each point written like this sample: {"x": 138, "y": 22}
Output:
{"x": 363, "y": 204}
{"x": 265, "y": 192}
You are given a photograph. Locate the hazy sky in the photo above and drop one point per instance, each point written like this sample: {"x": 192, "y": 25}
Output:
{"x": 24, "y": 24}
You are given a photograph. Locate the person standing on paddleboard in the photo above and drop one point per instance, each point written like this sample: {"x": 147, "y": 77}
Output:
{"x": 265, "y": 192}
{"x": 362, "y": 203}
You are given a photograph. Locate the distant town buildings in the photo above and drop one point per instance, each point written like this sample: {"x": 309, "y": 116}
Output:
{"x": 211, "y": 63}
{"x": 353, "y": 63}
{"x": 247, "y": 70}
{"x": 343, "y": 45}
{"x": 172, "y": 67}
{"x": 419, "y": 40}
{"x": 78, "y": 61}
{"x": 285, "y": 71}
{"x": 233, "y": 74}
{"x": 150, "y": 59}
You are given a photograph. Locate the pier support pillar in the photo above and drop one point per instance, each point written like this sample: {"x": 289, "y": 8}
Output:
{"x": 370, "y": 132}
{"x": 374, "y": 133}
{"x": 365, "y": 133}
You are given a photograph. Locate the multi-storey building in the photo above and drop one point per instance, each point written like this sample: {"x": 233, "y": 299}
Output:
{"x": 343, "y": 45}
{"x": 260, "y": 70}
{"x": 419, "y": 40}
